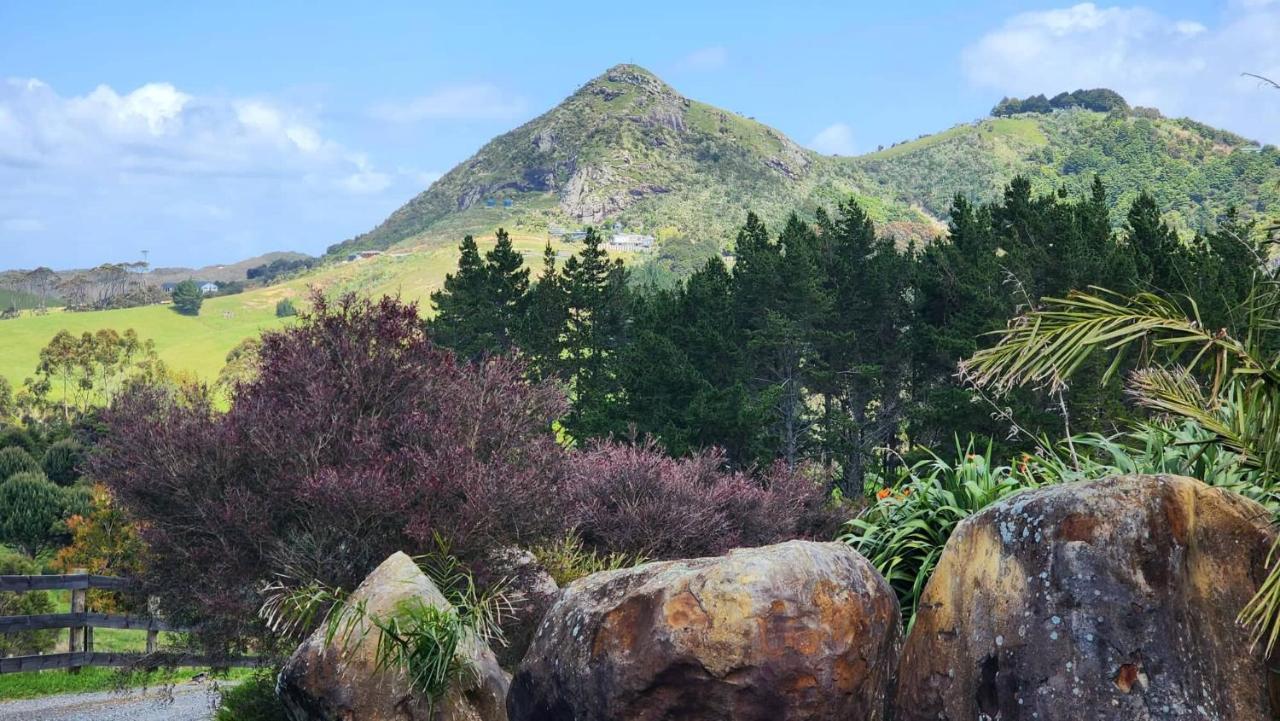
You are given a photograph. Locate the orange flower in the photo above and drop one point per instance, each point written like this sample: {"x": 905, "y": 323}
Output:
{"x": 883, "y": 493}
{"x": 906, "y": 492}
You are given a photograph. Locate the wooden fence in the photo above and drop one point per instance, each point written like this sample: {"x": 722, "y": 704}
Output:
{"x": 81, "y": 623}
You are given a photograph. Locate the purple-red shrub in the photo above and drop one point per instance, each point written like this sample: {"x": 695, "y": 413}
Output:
{"x": 356, "y": 437}
{"x": 635, "y": 499}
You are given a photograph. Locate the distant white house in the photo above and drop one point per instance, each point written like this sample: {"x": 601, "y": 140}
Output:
{"x": 633, "y": 242}
{"x": 207, "y": 288}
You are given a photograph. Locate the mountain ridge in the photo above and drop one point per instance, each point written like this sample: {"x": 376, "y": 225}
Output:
{"x": 627, "y": 147}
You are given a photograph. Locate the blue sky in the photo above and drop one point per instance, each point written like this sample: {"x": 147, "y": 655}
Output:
{"x": 211, "y": 133}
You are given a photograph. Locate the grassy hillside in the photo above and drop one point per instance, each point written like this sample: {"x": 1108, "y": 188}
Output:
{"x": 199, "y": 345}
{"x": 626, "y": 147}
{"x": 1194, "y": 171}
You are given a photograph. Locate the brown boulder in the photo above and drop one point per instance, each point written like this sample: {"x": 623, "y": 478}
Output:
{"x": 1113, "y": 599}
{"x": 330, "y": 683}
{"x": 792, "y": 632}
{"x": 531, "y": 591}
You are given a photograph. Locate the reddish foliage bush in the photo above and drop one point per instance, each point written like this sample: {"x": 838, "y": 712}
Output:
{"x": 634, "y": 499}
{"x": 356, "y": 438}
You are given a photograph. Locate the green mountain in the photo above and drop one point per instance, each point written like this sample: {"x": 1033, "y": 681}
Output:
{"x": 1194, "y": 171}
{"x": 628, "y": 148}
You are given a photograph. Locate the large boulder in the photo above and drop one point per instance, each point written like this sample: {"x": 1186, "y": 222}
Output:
{"x": 336, "y": 682}
{"x": 792, "y": 632}
{"x": 1113, "y": 599}
{"x": 531, "y": 591}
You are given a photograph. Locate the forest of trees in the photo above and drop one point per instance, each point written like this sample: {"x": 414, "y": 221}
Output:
{"x": 1101, "y": 100}
{"x": 827, "y": 342}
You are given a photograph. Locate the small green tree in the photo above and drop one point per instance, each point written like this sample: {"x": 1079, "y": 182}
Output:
{"x": 285, "y": 308}
{"x": 30, "y": 509}
{"x": 187, "y": 298}
{"x": 8, "y": 408}
{"x": 28, "y": 603}
{"x": 61, "y": 461}
{"x": 14, "y": 460}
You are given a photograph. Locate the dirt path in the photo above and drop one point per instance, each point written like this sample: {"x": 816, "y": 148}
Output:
{"x": 190, "y": 701}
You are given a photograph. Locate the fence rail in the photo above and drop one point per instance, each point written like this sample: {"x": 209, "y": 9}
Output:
{"x": 63, "y": 582}
{"x": 81, "y": 623}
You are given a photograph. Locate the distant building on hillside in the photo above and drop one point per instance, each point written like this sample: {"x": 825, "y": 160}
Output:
{"x": 575, "y": 236}
{"x": 364, "y": 254}
{"x": 208, "y": 287}
{"x": 555, "y": 231}
{"x": 631, "y": 242}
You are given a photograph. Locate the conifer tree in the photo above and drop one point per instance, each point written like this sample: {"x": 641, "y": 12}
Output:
{"x": 862, "y": 369}
{"x": 1159, "y": 256}
{"x": 481, "y": 305}
{"x": 508, "y": 289}
{"x": 465, "y": 316}
{"x": 780, "y": 302}
{"x": 595, "y": 291}
{"x": 541, "y": 331}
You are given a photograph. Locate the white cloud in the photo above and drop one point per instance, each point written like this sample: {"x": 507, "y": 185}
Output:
{"x": 1180, "y": 66}
{"x": 705, "y": 59}
{"x": 159, "y": 129}
{"x": 195, "y": 178}
{"x": 478, "y": 101}
{"x": 834, "y": 139}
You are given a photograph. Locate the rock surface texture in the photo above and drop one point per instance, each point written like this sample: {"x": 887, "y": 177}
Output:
{"x": 330, "y": 683}
{"x": 790, "y": 632}
{"x": 532, "y": 591}
{"x": 1113, "y": 599}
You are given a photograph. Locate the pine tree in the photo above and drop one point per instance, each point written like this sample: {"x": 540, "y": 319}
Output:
{"x": 780, "y": 301}
{"x": 508, "y": 289}
{"x": 464, "y": 314}
{"x": 481, "y": 305}
{"x": 187, "y": 298}
{"x": 862, "y": 369}
{"x": 540, "y": 334}
{"x": 1159, "y": 256}
{"x": 596, "y": 301}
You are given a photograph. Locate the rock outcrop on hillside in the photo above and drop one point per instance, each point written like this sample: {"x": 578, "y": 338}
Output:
{"x": 797, "y": 631}
{"x": 332, "y": 682}
{"x": 1114, "y": 599}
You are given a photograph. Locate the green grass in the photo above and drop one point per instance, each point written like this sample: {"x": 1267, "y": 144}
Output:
{"x": 33, "y": 684}
{"x": 107, "y": 640}
{"x": 199, "y": 345}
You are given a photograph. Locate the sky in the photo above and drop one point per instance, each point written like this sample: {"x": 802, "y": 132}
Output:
{"x": 211, "y": 132}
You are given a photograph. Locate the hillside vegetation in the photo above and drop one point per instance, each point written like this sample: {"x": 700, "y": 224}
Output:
{"x": 200, "y": 345}
{"x": 627, "y": 147}
{"x": 1194, "y": 172}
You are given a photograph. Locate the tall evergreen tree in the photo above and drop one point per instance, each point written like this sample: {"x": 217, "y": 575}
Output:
{"x": 596, "y": 302}
{"x": 464, "y": 315}
{"x": 508, "y": 289}
{"x": 541, "y": 331}
{"x": 862, "y": 355}
{"x": 1160, "y": 257}
{"x": 780, "y": 300}
{"x": 481, "y": 306}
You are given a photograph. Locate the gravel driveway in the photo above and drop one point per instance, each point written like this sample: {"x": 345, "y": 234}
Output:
{"x": 192, "y": 701}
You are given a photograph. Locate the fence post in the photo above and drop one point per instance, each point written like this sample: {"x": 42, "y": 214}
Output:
{"x": 153, "y": 607}
{"x": 77, "y": 633}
